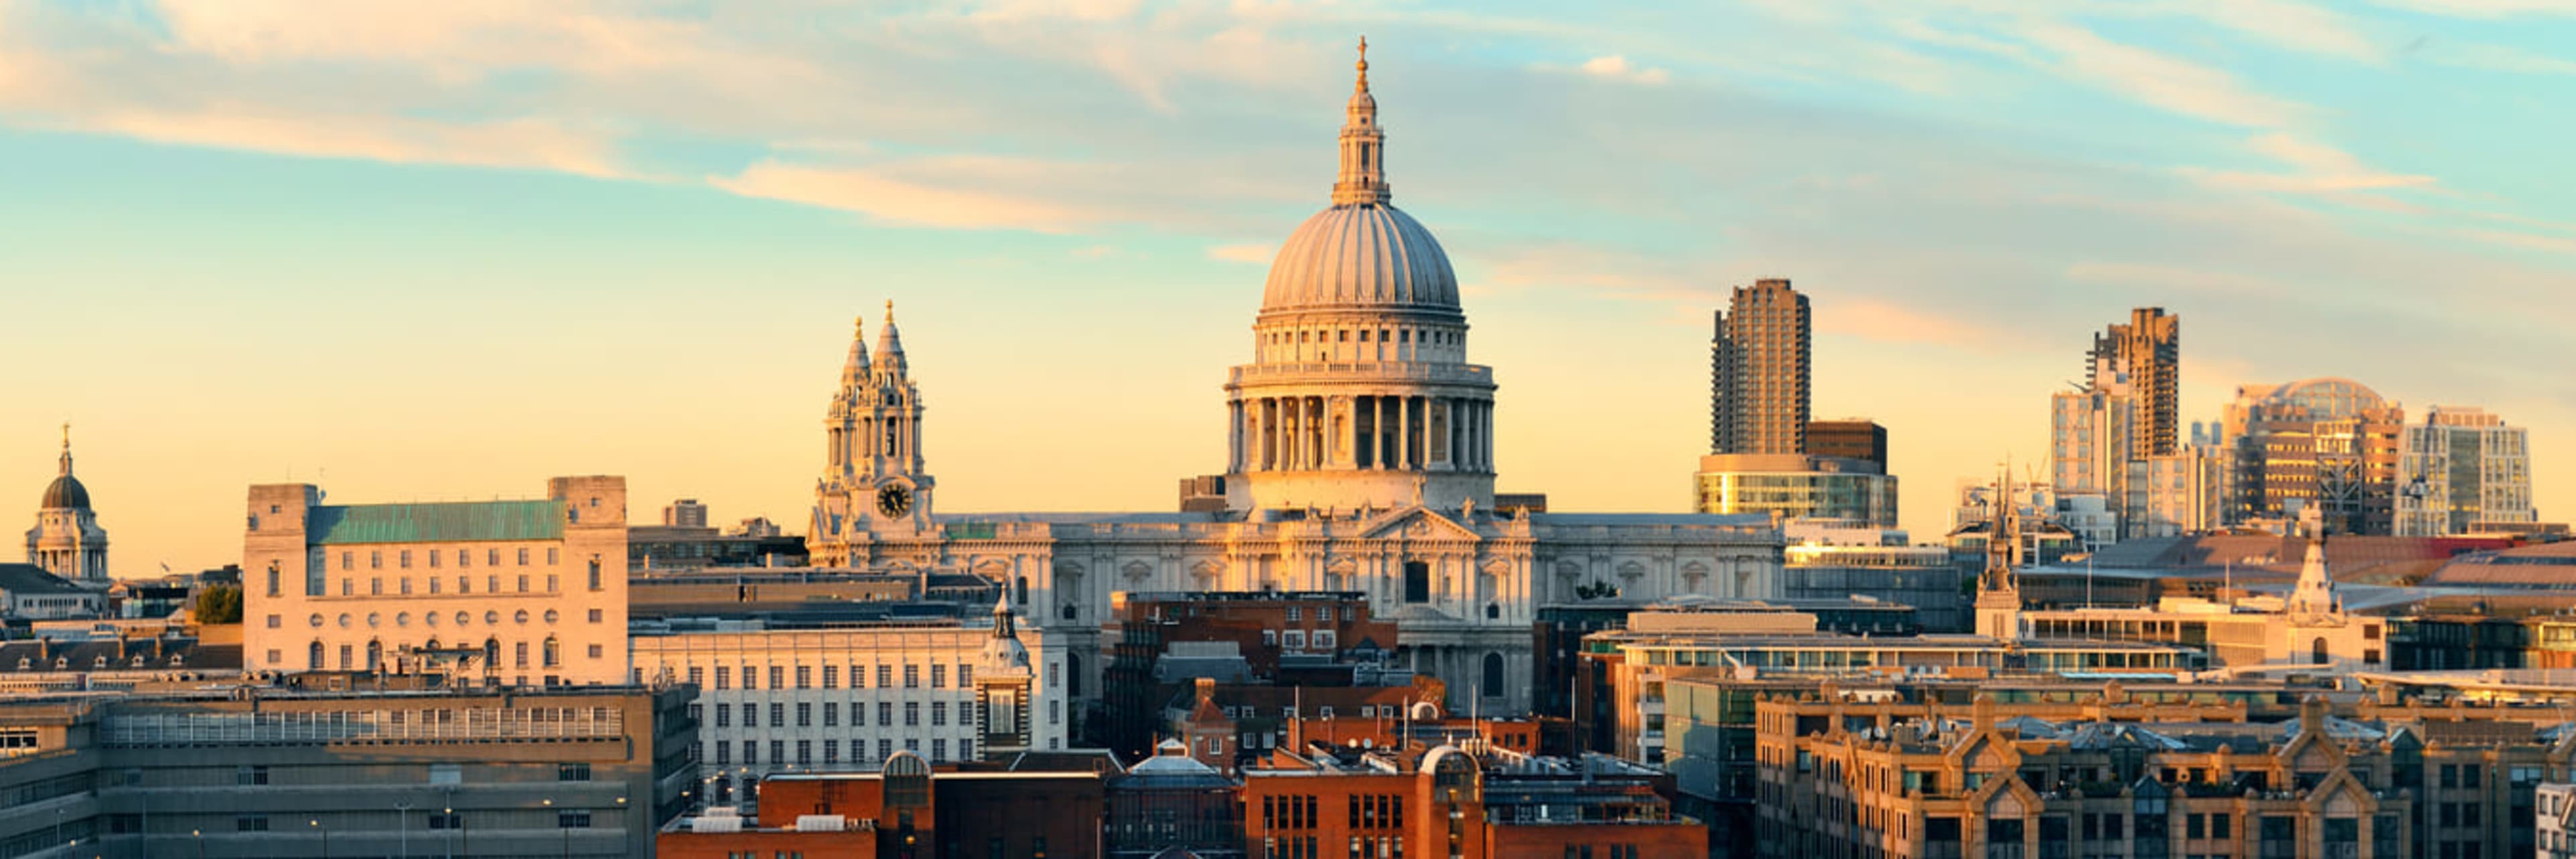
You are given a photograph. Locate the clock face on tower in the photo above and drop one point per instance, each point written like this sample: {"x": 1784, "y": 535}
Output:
{"x": 894, "y": 501}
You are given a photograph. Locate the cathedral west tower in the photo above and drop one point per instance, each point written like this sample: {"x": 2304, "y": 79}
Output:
{"x": 873, "y": 482}
{"x": 1359, "y": 394}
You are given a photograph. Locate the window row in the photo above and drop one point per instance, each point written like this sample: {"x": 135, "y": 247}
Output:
{"x": 464, "y": 557}
{"x": 430, "y": 618}
{"x": 831, "y": 714}
{"x": 803, "y": 751}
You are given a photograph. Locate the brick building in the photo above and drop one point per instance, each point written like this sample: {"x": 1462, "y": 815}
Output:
{"x": 1469, "y": 801}
{"x": 905, "y": 810}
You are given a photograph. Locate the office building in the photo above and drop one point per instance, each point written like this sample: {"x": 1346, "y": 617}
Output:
{"x": 841, "y": 696}
{"x": 360, "y": 770}
{"x": 2462, "y": 471}
{"x": 2118, "y": 438}
{"x": 528, "y": 591}
{"x": 1758, "y": 389}
{"x": 1848, "y": 438}
{"x": 67, "y": 540}
{"x": 2332, "y": 443}
{"x": 685, "y": 513}
{"x": 1796, "y": 486}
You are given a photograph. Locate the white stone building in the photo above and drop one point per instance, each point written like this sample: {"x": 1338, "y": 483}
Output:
{"x": 1360, "y": 457}
{"x": 67, "y": 540}
{"x": 537, "y": 586}
{"x": 848, "y": 697}
{"x": 2460, "y": 469}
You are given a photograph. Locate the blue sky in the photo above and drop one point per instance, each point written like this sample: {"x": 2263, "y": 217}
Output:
{"x": 446, "y": 250}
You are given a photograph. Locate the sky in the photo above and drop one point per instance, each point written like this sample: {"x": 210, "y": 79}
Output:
{"x": 441, "y": 251}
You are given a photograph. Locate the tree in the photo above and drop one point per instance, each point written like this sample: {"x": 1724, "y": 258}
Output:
{"x": 219, "y": 604}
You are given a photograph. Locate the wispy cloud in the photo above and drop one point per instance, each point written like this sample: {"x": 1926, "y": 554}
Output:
{"x": 2162, "y": 80}
{"x": 2485, "y": 8}
{"x": 2501, "y": 58}
{"x": 891, "y": 199}
{"x": 2317, "y": 169}
{"x": 1243, "y": 253}
{"x": 1615, "y": 68}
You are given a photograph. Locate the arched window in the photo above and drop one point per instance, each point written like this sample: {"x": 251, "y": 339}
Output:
{"x": 1417, "y": 581}
{"x": 2317, "y": 652}
{"x": 554, "y": 652}
{"x": 375, "y": 655}
{"x": 1020, "y": 591}
{"x": 1068, "y": 611}
{"x": 1493, "y": 675}
{"x": 491, "y": 654}
{"x": 313, "y": 657}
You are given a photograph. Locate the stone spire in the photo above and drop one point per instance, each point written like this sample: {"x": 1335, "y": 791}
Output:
{"x": 2314, "y": 597}
{"x": 854, "y": 372}
{"x": 1998, "y": 590}
{"x": 1002, "y": 626}
{"x": 1363, "y": 176}
{"x": 890, "y": 346}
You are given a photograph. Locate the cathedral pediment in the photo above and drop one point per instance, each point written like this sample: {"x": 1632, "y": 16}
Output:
{"x": 1418, "y": 523}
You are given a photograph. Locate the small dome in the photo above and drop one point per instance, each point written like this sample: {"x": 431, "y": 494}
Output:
{"x": 65, "y": 493}
{"x": 1361, "y": 254}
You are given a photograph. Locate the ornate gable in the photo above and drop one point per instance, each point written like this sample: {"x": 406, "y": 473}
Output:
{"x": 1419, "y": 523}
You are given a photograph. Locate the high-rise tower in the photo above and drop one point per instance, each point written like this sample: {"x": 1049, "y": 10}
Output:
{"x": 1359, "y": 393}
{"x": 2146, "y": 355}
{"x": 1758, "y": 372}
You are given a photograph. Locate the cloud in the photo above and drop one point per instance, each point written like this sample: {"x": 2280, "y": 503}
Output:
{"x": 2485, "y": 8}
{"x": 2499, "y": 58}
{"x": 2318, "y": 169}
{"x": 1888, "y": 322}
{"x": 1617, "y": 68}
{"x": 2167, "y": 82}
{"x": 2297, "y": 26}
{"x": 1093, "y": 252}
{"x": 1244, "y": 253}
{"x": 887, "y": 197}
{"x": 2526, "y": 241}
{"x": 2149, "y": 279}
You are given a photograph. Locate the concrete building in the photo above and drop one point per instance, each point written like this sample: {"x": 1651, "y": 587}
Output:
{"x": 2052, "y": 524}
{"x": 29, "y": 593}
{"x": 2556, "y": 816}
{"x": 1758, "y": 372}
{"x": 2326, "y": 442}
{"x": 2143, "y": 358}
{"x": 2462, "y": 470}
{"x": 1360, "y": 458}
{"x": 1848, "y": 438}
{"x": 841, "y": 696}
{"x": 277, "y": 772}
{"x": 538, "y": 585}
{"x": 1796, "y": 486}
{"x": 1925, "y": 578}
{"x": 67, "y": 540}
{"x": 685, "y": 513}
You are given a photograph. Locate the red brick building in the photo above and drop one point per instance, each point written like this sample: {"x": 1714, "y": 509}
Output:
{"x": 1308, "y": 638}
{"x": 1470, "y": 801}
{"x": 906, "y": 811}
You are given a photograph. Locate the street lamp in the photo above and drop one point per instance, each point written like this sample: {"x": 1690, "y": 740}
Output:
{"x": 402, "y": 826}
{"x": 326, "y": 837}
{"x": 200, "y": 835}
{"x": 559, "y": 826}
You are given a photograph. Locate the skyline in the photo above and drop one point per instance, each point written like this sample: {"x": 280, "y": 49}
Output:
{"x": 521, "y": 300}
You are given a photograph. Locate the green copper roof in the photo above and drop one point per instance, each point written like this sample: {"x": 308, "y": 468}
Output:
{"x": 439, "y": 523}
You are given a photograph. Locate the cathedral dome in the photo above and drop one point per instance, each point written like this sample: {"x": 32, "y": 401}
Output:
{"x": 1363, "y": 254}
{"x": 65, "y": 493}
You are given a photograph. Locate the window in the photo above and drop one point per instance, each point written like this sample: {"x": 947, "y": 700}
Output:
{"x": 251, "y": 823}
{"x": 433, "y": 559}
{"x": 572, "y": 772}
{"x": 911, "y": 713}
{"x": 938, "y": 676}
{"x": 885, "y": 676}
{"x": 724, "y": 676}
{"x": 276, "y": 622}
{"x": 804, "y": 753}
{"x": 570, "y": 819}
{"x": 551, "y": 583}
{"x": 777, "y": 714}
{"x": 433, "y": 584}
{"x": 1417, "y": 581}
{"x": 594, "y": 573}
{"x": 597, "y": 614}
{"x": 804, "y": 677}
{"x": 406, "y": 559}
{"x": 550, "y": 555}
{"x": 598, "y": 651}
{"x": 750, "y": 677}
{"x": 777, "y": 677}
{"x": 832, "y": 751}
{"x": 553, "y": 652}
{"x": 250, "y": 775}
{"x": 446, "y": 820}
{"x": 885, "y": 713}
{"x": 938, "y": 714}
{"x": 376, "y": 560}
{"x": 523, "y": 583}
{"x": 751, "y": 752}
{"x": 831, "y": 676}
{"x": 520, "y": 650}
{"x": 831, "y": 714}
{"x": 804, "y": 715}
{"x": 912, "y": 677}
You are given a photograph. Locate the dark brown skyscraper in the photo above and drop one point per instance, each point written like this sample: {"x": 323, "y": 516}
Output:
{"x": 1758, "y": 372}
{"x": 1850, "y": 438}
{"x": 2147, "y": 354}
